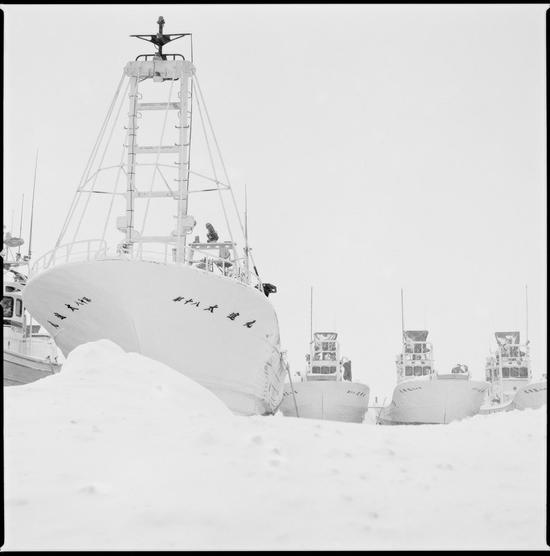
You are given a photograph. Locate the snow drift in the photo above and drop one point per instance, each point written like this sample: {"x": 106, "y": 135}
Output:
{"x": 118, "y": 451}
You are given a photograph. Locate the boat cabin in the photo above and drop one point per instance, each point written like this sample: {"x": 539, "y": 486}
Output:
{"x": 12, "y": 303}
{"x": 416, "y": 358}
{"x": 14, "y": 315}
{"x": 324, "y": 361}
{"x": 508, "y": 368}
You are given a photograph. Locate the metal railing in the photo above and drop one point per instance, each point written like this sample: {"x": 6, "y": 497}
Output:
{"x": 78, "y": 251}
{"x": 162, "y": 253}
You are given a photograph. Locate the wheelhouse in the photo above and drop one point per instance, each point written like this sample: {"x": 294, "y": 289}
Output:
{"x": 508, "y": 367}
{"x": 416, "y": 358}
{"x": 12, "y": 305}
{"x": 324, "y": 357}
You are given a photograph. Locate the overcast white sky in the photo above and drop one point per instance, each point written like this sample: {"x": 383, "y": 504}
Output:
{"x": 383, "y": 147}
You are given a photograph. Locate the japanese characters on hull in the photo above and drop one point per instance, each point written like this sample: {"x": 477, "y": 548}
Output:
{"x": 233, "y": 316}
{"x": 211, "y": 308}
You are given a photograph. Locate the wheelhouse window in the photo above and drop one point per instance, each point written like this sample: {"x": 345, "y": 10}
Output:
{"x": 7, "y": 306}
{"x": 408, "y": 371}
{"x": 523, "y": 372}
{"x": 426, "y": 370}
{"x": 323, "y": 370}
{"x": 418, "y": 371}
{"x": 18, "y": 307}
{"x": 505, "y": 372}
{"x": 514, "y": 372}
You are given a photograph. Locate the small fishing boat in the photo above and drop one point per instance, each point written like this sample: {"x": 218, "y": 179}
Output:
{"x": 508, "y": 371}
{"x": 325, "y": 390}
{"x": 29, "y": 352}
{"x": 423, "y": 396}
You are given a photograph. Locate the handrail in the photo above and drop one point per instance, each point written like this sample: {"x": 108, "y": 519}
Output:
{"x": 67, "y": 253}
{"x": 96, "y": 249}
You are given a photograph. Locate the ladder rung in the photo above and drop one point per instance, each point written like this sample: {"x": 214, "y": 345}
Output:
{"x": 156, "y": 194}
{"x": 158, "y": 106}
{"x": 155, "y": 150}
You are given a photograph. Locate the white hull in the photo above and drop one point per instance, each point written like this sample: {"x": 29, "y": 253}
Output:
{"x": 331, "y": 400}
{"x": 22, "y": 369}
{"x": 132, "y": 304}
{"x": 531, "y": 396}
{"x": 436, "y": 401}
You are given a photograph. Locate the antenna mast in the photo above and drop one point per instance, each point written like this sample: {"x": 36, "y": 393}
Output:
{"x": 402, "y": 317}
{"x": 21, "y": 224}
{"x": 526, "y": 317}
{"x": 160, "y": 39}
{"x": 311, "y": 314}
{"x": 246, "y": 249}
{"x": 32, "y": 205}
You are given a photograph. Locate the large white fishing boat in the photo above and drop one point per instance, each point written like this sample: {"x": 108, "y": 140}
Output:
{"x": 508, "y": 371}
{"x": 423, "y": 396}
{"x": 29, "y": 353}
{"x": 196, "y": 305}
{"x": 326, "y": 390}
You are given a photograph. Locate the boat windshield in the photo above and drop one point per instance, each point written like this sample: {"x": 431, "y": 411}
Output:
{"x": 323, "y": 370}
{"x": 515, "y": 372}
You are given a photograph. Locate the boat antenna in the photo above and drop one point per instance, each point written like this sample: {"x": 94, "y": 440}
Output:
{"x": 32, "y": 205}
{"x": 311, "y": 314}
{"x": 526, "y": 317}
{"x": 21, "y": 224}
{"x": 402, "y": 317}
{"x": 160, "y": 39}
{"x": 246, "y": 248}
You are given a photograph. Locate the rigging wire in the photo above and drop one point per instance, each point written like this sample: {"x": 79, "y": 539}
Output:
{"x": 224, "y": 168}
{"x": 102, "y": 156}
{"x": 72, "y": 206}
{"x": 204, "y": 128}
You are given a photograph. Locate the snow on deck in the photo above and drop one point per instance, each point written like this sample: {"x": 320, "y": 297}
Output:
{"x": 121, "y": 452}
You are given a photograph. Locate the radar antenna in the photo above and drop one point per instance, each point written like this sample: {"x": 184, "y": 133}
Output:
{"x": 160, "y": 39}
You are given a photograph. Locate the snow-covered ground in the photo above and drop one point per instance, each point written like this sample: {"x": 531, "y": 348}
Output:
{"x": 121, "y": 452}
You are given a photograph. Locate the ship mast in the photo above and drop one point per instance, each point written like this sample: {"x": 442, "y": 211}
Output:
{"x": 160, "y": 69}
